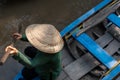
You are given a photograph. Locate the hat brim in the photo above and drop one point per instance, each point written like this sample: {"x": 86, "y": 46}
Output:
{"x": 32, "y": 37}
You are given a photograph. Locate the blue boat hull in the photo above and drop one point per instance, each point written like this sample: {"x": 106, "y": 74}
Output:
{"x": 19, "y": 75}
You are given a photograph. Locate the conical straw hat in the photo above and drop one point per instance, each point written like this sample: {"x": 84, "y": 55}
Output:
{"x": 45, "y": 38}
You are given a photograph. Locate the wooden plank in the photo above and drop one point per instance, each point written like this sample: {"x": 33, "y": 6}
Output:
{"x": 86, "y": 63}
{"x": 99, "y": 17}
{"x": 104, "y": 40}
{"x": 66, "y": 57}
{"x": 80, "y": 67}
{"x": 113, "y": 47}
{"x": 67, "y": 78}
{"x": 62, "y": 75}
{"x": 96, "y": 50}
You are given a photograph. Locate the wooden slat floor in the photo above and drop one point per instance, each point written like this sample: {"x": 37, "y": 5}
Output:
{"x": 76, "y": 69}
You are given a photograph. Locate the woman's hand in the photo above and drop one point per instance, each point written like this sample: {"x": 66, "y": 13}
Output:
{"x": 11, "y": 50}
{"x": 17, "y": 36}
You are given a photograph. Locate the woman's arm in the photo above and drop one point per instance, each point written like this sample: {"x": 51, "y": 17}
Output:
{"x": 30, "y": 63}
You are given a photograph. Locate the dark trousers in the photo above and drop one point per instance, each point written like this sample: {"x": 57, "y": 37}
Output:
{"x": 29, "y": 74}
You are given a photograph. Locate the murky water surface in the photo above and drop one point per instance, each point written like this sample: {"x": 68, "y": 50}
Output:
{"x": 16, "y": 13}
{"x": 60, "y": 13}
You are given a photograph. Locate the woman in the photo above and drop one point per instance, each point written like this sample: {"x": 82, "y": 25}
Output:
{"x": 45, "y": 54}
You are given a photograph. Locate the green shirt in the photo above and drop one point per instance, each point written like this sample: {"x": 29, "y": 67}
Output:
{"x": 45, "y": 64}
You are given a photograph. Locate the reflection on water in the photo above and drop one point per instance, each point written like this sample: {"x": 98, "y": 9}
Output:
{"x": 25, "y": 12}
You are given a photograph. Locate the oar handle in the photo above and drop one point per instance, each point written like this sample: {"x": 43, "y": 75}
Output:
{"x": 5, "y": 56}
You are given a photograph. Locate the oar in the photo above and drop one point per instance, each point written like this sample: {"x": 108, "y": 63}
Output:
{"x": 6, "y": 55}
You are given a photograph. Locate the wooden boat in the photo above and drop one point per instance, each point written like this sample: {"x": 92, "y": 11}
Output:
{"x": 92, "y": 40}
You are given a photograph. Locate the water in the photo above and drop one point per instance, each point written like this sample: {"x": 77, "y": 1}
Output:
{"x": 59, "y": 13}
